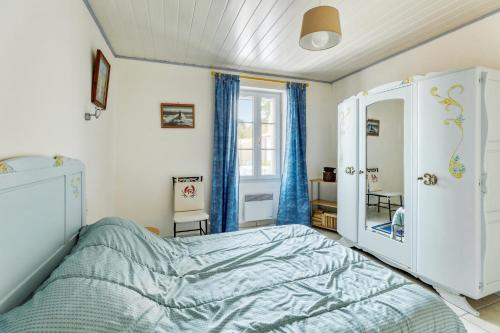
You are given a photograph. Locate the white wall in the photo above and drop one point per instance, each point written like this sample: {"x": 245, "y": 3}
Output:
{"x": 475, "y": 44}
{"x": 147, "y": 156}
{"x": 321, "y": 135}
{"x": 46, "y": 57}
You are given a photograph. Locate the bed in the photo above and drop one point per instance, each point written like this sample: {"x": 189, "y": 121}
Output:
{"x": 120, "y": 277}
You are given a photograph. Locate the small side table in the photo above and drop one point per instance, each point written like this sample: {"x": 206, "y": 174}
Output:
{"x": 327, "y": 220}
{"x": 154, "y": 230}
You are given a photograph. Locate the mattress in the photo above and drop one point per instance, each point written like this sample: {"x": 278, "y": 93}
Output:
{"x": 120, "y": 277}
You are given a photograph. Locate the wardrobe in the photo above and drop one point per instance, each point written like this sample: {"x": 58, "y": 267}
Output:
{"x": 419, "y": 179}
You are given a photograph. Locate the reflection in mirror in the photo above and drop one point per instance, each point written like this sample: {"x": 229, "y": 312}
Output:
{"x": 385, "y": 169}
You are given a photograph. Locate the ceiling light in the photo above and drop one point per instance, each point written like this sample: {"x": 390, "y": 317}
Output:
{"x": 320, "y": 29}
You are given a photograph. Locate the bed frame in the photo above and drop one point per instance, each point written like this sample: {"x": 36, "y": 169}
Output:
{"x": 42, "y": 208}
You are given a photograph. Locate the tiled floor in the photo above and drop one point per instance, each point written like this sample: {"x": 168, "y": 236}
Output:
{"x": 374, "y": 218}
{"x": 488, "y": 307}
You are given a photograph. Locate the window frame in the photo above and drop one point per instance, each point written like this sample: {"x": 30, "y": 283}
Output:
{"x": 257, "y": 95}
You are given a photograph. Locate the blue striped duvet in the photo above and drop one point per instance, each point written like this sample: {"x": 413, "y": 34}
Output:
{"x": 121, "y": 278}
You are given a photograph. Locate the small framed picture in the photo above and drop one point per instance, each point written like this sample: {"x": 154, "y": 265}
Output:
{"x": 372, "y": 127}
{"x": 100, "y": 80}
{"x": 177, "y": 115}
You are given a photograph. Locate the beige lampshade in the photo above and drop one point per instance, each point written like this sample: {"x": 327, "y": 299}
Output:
{"x": 320, "y": 28}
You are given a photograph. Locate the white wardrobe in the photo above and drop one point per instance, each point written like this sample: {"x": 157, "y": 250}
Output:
{"x": 419, "y": 179}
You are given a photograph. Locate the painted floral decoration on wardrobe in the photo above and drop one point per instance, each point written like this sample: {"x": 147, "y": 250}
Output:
{"x": 455, "y": 165}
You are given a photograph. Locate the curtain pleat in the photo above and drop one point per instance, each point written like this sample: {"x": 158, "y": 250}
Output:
{"x": 294, "y": 207}
{"x": 225, "y": 174}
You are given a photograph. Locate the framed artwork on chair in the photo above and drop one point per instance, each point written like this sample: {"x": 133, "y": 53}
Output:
{"x": 177, "y": 115}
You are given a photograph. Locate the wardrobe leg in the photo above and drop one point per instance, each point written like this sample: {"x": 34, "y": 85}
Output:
{"x": 378, "y": 204}
{"x": 175, "y": 229}
{"x": 199, "y": 224}
{"x": 457, "y": 300}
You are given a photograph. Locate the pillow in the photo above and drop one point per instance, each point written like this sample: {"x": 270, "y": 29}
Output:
{"x": 399, "y": 217}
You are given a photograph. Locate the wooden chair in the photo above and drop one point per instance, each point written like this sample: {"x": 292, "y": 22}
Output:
{"x": 189, "y": 203}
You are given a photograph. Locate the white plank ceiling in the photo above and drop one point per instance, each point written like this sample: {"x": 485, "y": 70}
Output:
{"x": 262, "y": 35}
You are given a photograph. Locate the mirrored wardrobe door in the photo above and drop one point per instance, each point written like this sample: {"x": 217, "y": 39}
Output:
{"x": 385, "y": 165}
{"x": 384, "y": 142}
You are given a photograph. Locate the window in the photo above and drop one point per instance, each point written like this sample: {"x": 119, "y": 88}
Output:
{"x": 259, "y": 134}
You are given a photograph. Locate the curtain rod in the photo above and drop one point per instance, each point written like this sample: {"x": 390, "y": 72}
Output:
{"x": 253, "y": 78}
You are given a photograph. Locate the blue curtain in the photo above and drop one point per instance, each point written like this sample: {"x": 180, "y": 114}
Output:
{"x": 294, "y": 205}
{"x": 225, "y": 174}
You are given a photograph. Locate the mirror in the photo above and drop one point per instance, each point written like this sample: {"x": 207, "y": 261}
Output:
{"x": 385, "y": 169}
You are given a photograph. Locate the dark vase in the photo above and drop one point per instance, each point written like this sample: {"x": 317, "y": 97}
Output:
{"x": 329, "y": 174}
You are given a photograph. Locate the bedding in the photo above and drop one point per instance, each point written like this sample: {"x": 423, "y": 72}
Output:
{"x": 399, "y": 217}
{"x": 120, "y": 277}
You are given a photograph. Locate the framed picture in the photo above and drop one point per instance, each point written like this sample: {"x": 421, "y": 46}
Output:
{"x": 100, "y": 80}
{"x": 177, "y": 115}
{"x": 372, "y": 127}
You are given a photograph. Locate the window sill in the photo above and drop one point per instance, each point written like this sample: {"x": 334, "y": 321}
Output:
{"x": 260, "y": 180}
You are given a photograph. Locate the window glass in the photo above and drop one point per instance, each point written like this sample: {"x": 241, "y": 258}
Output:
{"x": 258, "y": 134}
{"x": 245, "y": 110}
{"x": 268, "y": 162}
{"x": 268, "y": 110}
{"x": 268, "y": 136}
{"x": 245, "y": 136}
{"x": 245, "y": 158}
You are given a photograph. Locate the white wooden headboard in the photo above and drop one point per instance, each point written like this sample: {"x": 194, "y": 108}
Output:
{"x": 42, "y": 208}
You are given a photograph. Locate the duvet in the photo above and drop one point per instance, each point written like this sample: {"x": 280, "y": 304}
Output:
{"x": 121, "y": 278}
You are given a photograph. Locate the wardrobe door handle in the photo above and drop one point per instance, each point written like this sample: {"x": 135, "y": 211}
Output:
{"x": 350, "y": 170}
{"x": 361, "y": 172}
{"x": 429, "y": 179}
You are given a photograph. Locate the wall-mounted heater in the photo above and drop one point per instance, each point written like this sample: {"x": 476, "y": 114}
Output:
{"x": 258, "y": 207}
